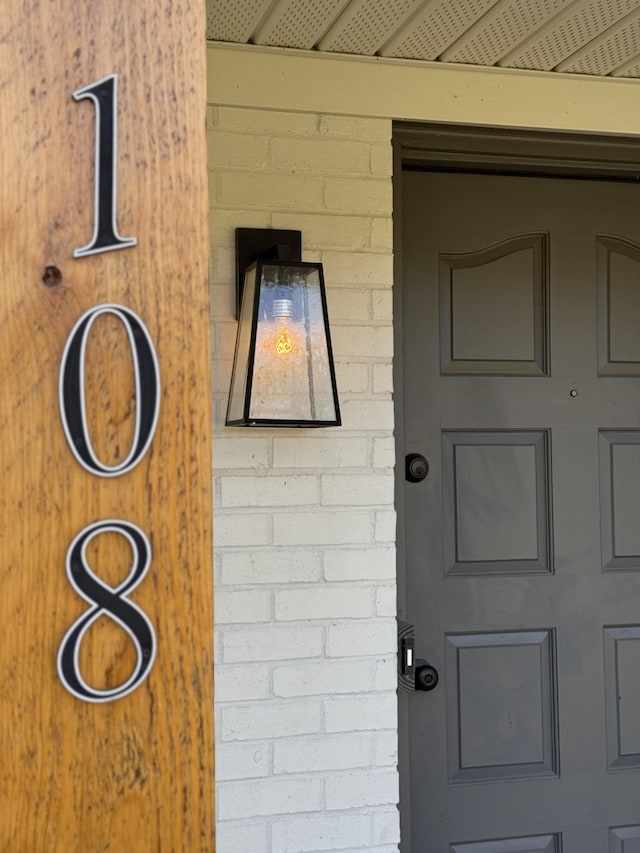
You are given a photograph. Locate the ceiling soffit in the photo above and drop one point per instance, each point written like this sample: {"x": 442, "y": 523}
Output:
{"x": 594, "y": 37}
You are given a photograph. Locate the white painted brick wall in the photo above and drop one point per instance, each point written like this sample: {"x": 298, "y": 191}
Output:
{"x": 304, "y": 520}
{"x": 242, "y": 837}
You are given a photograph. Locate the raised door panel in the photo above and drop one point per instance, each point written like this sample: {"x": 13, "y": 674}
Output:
{"x": 532, "y": 844}
{"x": 501, "y": 706}
{"x": 622, "y": 692}
{"x": 496, "y": 502}
{"x": 618, "y": 282}
{"x": 620, "y": 499}
{"x": 478, "y": 290}
{"x": 624, "y": 839}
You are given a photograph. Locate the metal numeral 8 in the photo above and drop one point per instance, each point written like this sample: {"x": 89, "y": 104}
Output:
{"x": 111, "y": 602}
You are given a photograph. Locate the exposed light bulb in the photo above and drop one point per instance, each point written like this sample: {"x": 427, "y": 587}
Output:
{"x": 283, "y": 312}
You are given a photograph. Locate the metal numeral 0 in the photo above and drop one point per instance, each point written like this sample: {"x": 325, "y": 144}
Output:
{"x": 104, "y": 95}
{"x": 111, "y": 602}
{"x": 72, "y": 390}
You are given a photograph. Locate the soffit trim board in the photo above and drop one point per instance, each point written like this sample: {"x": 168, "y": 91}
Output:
{"x": 410, "y": 90}
{"x": 395, "y": 61}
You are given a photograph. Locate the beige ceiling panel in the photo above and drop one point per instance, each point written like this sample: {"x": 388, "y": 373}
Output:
{"x": 567, "y": 33}
{"x": 234, "y": 20}
{"x": 298, "y": 23}
{"x": 504, "y": 27}
{"x": 631, "y": 69}
{"x": 428, "y": 33}
{"x": 614, "y": 49}
{"x": 592, "y": 37}
{"x": 366, "y": 25}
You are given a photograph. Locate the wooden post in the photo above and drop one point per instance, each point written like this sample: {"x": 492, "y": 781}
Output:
{"x": 134, "y": 773}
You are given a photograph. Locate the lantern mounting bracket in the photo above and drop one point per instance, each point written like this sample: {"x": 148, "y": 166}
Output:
{"x": 273, "y": 244}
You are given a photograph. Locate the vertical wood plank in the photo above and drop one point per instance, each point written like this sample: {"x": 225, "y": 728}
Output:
{"x": 134, "y": 774}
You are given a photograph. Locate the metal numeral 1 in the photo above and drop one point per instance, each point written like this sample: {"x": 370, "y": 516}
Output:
{"x": 104, "y": 95}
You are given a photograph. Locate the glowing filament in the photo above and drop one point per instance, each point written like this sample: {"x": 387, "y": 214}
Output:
{"x": 283, "y": 342}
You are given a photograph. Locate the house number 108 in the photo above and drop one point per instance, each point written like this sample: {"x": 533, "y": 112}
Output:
{"x": 104, "y": 599}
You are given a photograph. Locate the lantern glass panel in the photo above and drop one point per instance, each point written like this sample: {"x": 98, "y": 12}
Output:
{"x": 235, "y": 411}
{"x": 292, "y": 371}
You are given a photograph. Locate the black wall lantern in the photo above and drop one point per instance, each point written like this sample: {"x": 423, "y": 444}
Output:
{"x": 283, "y": 373}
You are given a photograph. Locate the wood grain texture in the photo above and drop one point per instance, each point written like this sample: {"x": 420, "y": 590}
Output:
{"x": 135, "y": 774}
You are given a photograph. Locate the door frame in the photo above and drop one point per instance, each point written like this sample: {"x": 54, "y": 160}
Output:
{"x": 489, "y": 150}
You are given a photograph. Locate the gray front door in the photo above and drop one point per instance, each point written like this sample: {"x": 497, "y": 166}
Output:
{"x": 521, "y": 363}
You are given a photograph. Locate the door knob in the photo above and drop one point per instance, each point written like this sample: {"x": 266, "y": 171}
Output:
{"x": 416, "y": 467}
{"x": 426, "y": 675}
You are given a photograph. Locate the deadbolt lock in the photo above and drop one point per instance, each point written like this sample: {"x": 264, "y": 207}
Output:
{"x": 416, "y": 467}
